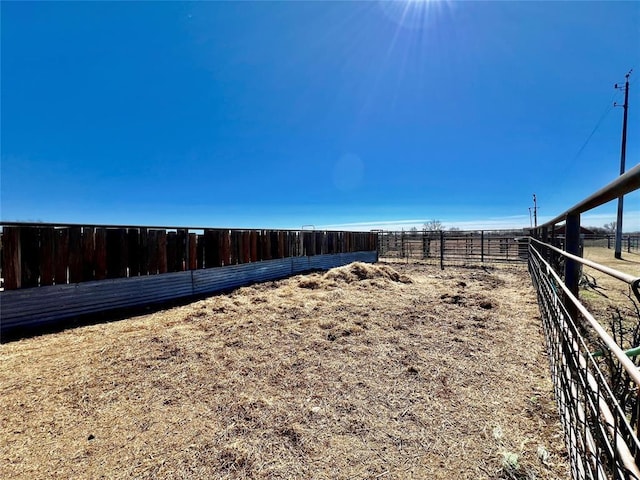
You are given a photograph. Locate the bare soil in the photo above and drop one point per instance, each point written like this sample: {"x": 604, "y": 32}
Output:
{"x": 366, "y": 371}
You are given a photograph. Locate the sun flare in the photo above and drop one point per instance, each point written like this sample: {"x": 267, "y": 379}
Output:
{"x": 411, "y": 14}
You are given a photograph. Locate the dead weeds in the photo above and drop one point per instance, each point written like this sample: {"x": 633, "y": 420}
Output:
{"x": 366, "y": 371}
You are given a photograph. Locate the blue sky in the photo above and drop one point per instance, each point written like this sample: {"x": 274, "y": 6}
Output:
{"x": 282, "y": 114}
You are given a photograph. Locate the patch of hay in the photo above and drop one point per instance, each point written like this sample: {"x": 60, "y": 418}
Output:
{"x": 358, "y": 271}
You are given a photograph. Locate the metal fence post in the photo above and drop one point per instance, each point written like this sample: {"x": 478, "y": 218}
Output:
{"x": 482, "y": 246}
{"x": 571, "y": 267}
{"x": 545, "y": 239}
{"x": 441, "y": 250}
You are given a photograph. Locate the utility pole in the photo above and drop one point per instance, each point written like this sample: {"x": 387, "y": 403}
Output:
{"x": 535, "y": 211}
{"x": 623, "y": 153}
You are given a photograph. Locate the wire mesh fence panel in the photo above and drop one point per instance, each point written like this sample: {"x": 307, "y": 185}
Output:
{"x": 600, "y": 432}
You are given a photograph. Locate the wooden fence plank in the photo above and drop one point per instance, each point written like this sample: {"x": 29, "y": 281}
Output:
{"x": 124, "y": 252}
{"x": 200, "y": 251}
{"x": 193, "y": 251}
{"x": 275, "y": 244}
{"x": 182, "y": 251}
{"x": 11, "y": 258}
{"x": 266, "y": 245}
{"x": 212, "y": 257}
{"x": 297, "y": 244}
{"x": 162, "y": 251}
{"x": 117, "y": 253}
{"x": 101, "y": 253}
{"x": 286, "y": 244}
{"x": 62, "y": 255}
{"x": 152, "y": 237}
{"x": 172, "y": 252}
{"x": 281, "y": 240}
{"x": 144, "y": 251}
{"x": 88, "y": 254}
{"x": 75, "y": 254}
{"x": 133, "y": 249}
{"x": 273, "y": 240}
{"x": 112, "y": 253}
{"x": 312, "y": 243}
{"x": 47, "y": 255}
{"x": 30, "y": 249}
{"x": 225, "y": 251}
{"x": 254, "y": 250}
{"x": 289, "y": 244}
{"x": 234, "y": 246}
{"x": 246, "y": 247}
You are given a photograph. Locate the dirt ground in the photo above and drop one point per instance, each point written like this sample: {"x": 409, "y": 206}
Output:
{"x": 388, "y": 371}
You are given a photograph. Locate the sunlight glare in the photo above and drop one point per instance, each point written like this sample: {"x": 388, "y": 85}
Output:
{"x": 410, "y": 14}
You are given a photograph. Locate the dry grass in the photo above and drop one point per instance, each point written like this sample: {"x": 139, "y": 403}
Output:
{"x": 614, "y": 289}
{"x": 382, "y": 371}
{"x": 605, "y": 296}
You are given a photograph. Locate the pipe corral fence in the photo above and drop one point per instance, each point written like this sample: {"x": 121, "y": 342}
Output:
{"x": 601, "y": 420}
{"x": 56, "y": 271}
{"x": 454, "y": 247}
{"x": 630, "y": 242}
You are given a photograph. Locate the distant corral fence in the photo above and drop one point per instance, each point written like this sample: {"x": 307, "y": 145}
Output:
{"x": 596, "y": 377}
{"x": 630, "y": 241}
{"x": 53, "y": 271}
{"x": 454, "y": 247}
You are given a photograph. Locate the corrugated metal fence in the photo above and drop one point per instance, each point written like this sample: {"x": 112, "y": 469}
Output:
{"x": 52, "y": 272}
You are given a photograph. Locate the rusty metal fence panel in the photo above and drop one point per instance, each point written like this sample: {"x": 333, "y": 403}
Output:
{"x": 454, "y": 247}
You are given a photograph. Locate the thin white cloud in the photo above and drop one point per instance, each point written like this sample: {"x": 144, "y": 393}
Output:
{"x": 631, "y": 223}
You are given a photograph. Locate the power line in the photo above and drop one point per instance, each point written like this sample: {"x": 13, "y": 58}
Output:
{"x": 571, "y": 163}
{"x": 595, "y": 129}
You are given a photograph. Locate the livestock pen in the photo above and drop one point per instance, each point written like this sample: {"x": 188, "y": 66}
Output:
{"x": 361, "y": 372}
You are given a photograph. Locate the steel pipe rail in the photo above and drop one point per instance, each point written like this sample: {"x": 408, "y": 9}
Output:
{"x": 625, "y": 361}
{"x": 624, "y": 184}
{"x": 624, "y": 277}
{"x": 592, "y": 418}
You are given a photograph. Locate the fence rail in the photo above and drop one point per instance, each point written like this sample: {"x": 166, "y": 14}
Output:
{"x": 600, "y": 439}
{"x": 630, "y": 242}
{"x": 598, "y": 398}
{"x": 38, "y": 255}
{"x": 454, "y": 247}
